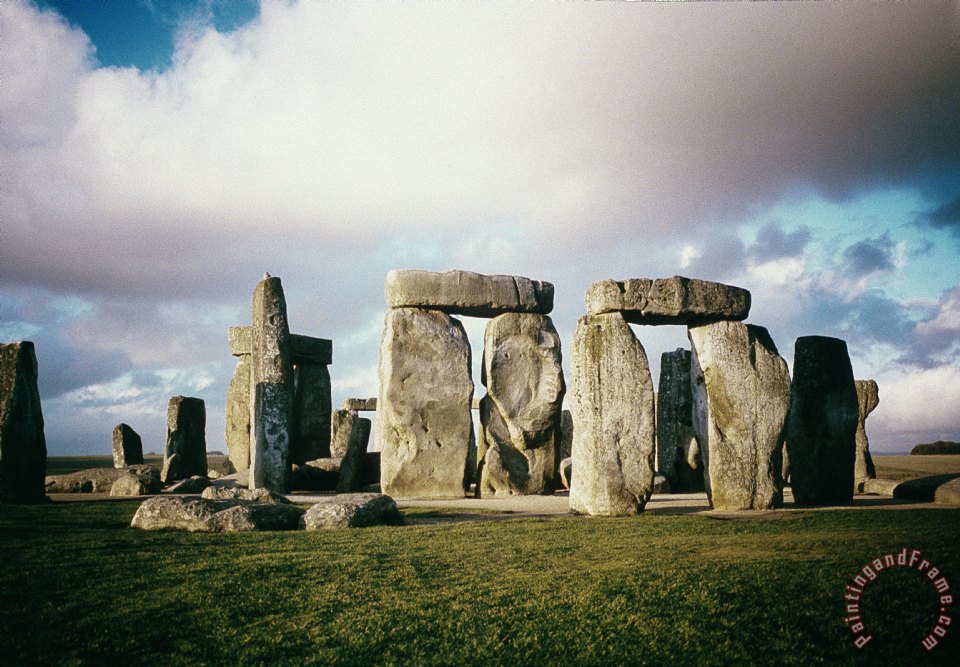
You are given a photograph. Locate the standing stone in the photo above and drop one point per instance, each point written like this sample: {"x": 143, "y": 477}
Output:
{"x": 127, "y": 447}
{"x": 423, "y": 421}
{"x": 741, "y": 397}
{"x": 822, "y": 427}
{"x": 23, "y": 448}
{"x": 613, "y": 443}
{"x": 354, "y": 457}
{"x": 272, "y": 388}
{"x": 868, "y": 397}
{"x": 311, "y": 410}
{"x": 237, "y": 431}
{"x": 678, "y": 452}
{"x": 341, "y": 430}
{"x": 186, "y": 453}
{"x": 520, "y": 415}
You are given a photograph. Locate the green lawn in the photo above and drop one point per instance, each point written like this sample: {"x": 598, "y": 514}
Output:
{"x": 80, "y": 587}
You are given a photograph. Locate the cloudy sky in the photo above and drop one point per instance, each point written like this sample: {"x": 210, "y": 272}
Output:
{"x": 157, "y": 158}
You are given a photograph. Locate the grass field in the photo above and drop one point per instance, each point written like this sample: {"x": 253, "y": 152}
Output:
{"x": 905, "y": 467}
{"x": 80, "y": 587}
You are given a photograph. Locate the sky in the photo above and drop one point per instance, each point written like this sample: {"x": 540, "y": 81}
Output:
{"x": 156, "y": 158}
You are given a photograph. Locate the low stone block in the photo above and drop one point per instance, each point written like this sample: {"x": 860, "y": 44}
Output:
{"x": 467, "y": 293}
{"x": 178, "y": 513}
{"x": 880, "y": 487}
{"x": 190, "y": 485}
{"x": 675, "y": 300}
{"x": 249, "y": 495}
{"x": 352, "y": 510}
{"x": 139, "y": 481}
{"x": 948, "y": 493}
{"x": 95, "y": 480}
{"x": 127, "y": 447}
{"x": 256, "y": 517}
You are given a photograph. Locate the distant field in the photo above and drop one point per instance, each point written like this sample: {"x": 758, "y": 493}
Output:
{"x": 79, "y": 587}
{"x": 61, "y": 465}
{"x": 904, "y": 467}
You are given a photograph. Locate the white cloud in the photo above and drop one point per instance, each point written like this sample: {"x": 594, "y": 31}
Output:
{"x": 916, "y": 406}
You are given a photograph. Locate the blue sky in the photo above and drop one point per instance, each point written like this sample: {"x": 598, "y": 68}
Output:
{"x": 157, "y": 157}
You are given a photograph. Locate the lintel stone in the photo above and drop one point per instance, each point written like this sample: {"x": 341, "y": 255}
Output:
{"x": 675, "y": 300}
{"x": 361, "y": 404}
{"x": 467, "y": 293}
{"x": 303, "y": 349}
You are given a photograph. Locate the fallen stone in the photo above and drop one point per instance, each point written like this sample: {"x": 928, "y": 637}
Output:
{"x": 661, "y": 484}
{"x": 423, "y": 420}
{"x": 23, "y": 448}
{"x": 139, "y": 481}
{"x": 868, "y": 397}
{"x": 186, "y": 452}
{"x": 94, "y": 480}
{"x": 311, "y": 413}
{"x": 948, "y": 493}
{"x": 741, "y": 397}
{"x": 675, "y": 300}
{"x": 613, "y": 443}
{"x": 190, "y": 485}
{"x": 361, "y": 404}
{"x": 249, "y": 495}
{"x": 352, "y": 510}
{"x": 351, "y": 467}
{"x": 273, "y": 384}
{"x": 467, "y": 293}
{"x": 880, "y": 487}
{"x": 317, "y": 475}
{"x": 923, "y": 489}
{"x": 178, "y": 513}
{"x": 127, "y": 447}
{"x": 258, "y": 516}
{"x": 237, "y": 415}
{"x": 566, "y": 472}
{"x": 678, "y": 452}
{"x": 520, "y": 415}
{"x": 822, "y": 426}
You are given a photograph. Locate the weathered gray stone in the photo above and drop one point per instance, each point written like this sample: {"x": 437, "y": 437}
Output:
{"x": 272, "y": 389}
{"x": 423, "y": 420}
{"x": 868, "y": 397}
{"x": 341, "y": 430}
{"x": 613, "y": 443}
{"x": 661, "y": 484}
{"x": 520, "y": 415}
{"x": 237, "y": 431}
{"x": 23, "y": 448}
{"x": 186, "y": 452}
{"x": 880, "y": 487}
{"x": 566, "y": 435}
{"x": 249, "y": 495}
{"x": 923, "y": 489}
{"x": 137, "y": 481}
{"x": 948, "y": 493}
{"x": 256, "y": 516}
{"x": 566, "y": 472}
{"x": 361, "y": 404}
{"x": 311, "y": 413}
{"x": 741, "y": 397}
{"x": 352, "y": 510}
{"x": 822, "y": 426}
{"x": 239, "y": 479}
{"x": 94, "y": 480}
{"x": 127, "y": 447}
{"x": 675, "y": 300}
{"x": 467, "y": 293}
{"x": 678, "y": 452}
{"x": 785, "y": 467}
{"x": 190, "y": 485}
{"x": 317, "y": 475}
{"x": 351, "y": 467}
{"x": 306, "y": 349}
{"x": 203, "y": 515}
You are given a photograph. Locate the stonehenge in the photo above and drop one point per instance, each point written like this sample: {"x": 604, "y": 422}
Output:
{"x": 23, "y": 448}
{"x": 127, "y": 447}
{"x": 186, "y": 450}
{"x": 822, "y": 426}
{"x": 424, "y": 427}
{"x": 868, "y": 398}
{"x": 278, "y": 403}
{"x": 675, "y": 300}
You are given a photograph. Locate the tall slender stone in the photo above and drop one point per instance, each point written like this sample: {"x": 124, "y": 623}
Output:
{"x": 23, "y": 448}
{"x": 237, "y": 431}
{"x": 613, "y": 442}
{"x": 186, "y": 451}
{"x": 311, "y": 413}
{"x": 741, "y": 397}
{"x": 520, "y": 416}
{"x": 352, "y": 464}
{"x": 127, "y": 447}
{"x": 423, "y": 420}
{"x": 272, "y": 388}
{"x": 822, "y": 427}
{"x": 678, "y": 452}
{"x": 868, "y": 398}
